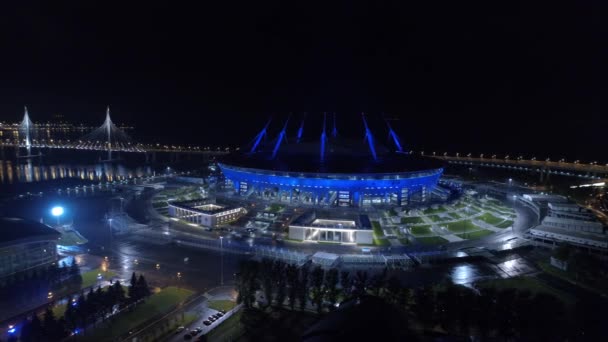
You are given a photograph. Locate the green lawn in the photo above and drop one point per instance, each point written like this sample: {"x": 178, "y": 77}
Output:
{"x": 230, "y": 327}
{"x": 158, "y": 303}
{"x": 379, "y": 239}
{"x": 489, "y": 218}
{"x": 70, "y": 238}
{"x": 526, "y": 283}
{"x": 430, "y": 211}
{"x": 436, "y": 218}
{"x": 90, "y": 278}
{"x": 455, "y": 215}
{"x": 411, "y": 220}
{"x": 275, "y": 208}
{"x": 475, "y": 235}
{"x": 599, "y": 286}
{"x": 461, "y": 226}
{"x": 421, "y": 230}
{"x": 221, "y": 305}
{"x": 432, "y": 240}
{"x": 404, "y": 241}
{"x": 504, "y": 224}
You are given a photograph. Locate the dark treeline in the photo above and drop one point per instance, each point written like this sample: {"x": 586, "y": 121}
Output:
{"x": 25, "y": 287}
{"x": 88, "y": 309}
{"x": 487, "y": 313}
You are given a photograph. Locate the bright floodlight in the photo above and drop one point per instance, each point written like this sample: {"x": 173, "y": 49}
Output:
{"x": 57, "y": 211}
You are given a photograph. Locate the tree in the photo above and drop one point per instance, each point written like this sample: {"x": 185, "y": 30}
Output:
{"x": 393, "y": 287}
{"x": 404, "y": 298}
{"x": 378, "y": 282}
{"x": 292, "y": 283}
{"x": 360, "y": 284}
{"x": 82, "y": 311}
{"x": 53, "y": 331}
{"x": 142, "y": 287}
{"x": 331, "y": 287}
{"x": 36, "y": 329}
{"x": 316, "y": 281}
{"x": 119, "y": 292}
{"x": 267, "y": 280}
{"x": 26, "y": 331}
{"x": 75, "y": 272}
{"x": 133, "y": 293}
{"x": 425, "y": 306}
{"x": 70, "y": 315}
{"x": 281, "y": 281}
{"x": 485, "y": 312}
{"x": 303, "y": 287}
{"x": 345, "y": 283}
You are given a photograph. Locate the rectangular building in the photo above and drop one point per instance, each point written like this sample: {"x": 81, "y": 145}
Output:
{"x": 308, "y": 227}
{"x": 205, "y": 213}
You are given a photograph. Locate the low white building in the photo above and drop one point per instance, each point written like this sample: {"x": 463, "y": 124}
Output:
{"x": 578, "y": 238}
{"x": 345, "y": 231}
{"x": 205, "y": 213}
{"x": 573, "y": 224}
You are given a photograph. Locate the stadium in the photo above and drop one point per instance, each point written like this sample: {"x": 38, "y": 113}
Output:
{"x": 331, "y": 170}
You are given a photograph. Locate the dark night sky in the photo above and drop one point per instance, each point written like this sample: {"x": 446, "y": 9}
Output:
{"x": 461, "y": 76}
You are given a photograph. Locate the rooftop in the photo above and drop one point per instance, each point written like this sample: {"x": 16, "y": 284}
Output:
{"x": 342, "y": 156}
{"x": 577, "y": 234}
{"x": 16, "y": 228}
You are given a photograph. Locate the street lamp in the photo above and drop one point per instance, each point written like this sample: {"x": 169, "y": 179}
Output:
{"x": 222, "y": 260}
{"x": 57, "y": 212}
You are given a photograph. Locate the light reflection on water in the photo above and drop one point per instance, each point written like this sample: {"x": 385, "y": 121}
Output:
{"x": 28, "y": 172}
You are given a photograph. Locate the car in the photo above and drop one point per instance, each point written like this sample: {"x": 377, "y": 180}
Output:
{"x": 193, "y": 332}
{"x": 219, "y": 314}
{"x": 187, "y": 337}
{"x": 211, "y": 318}
{"x": 179, "y": 329}
{"x": 198, "y": 329}
{"x": 223, "y": 312}
{"x": 207, "y": 323}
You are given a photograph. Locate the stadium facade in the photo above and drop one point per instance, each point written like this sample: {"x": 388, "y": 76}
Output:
{"x": 331, "y": 170}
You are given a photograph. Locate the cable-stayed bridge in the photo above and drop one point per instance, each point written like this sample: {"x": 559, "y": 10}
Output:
{"x": 108, "y": 137}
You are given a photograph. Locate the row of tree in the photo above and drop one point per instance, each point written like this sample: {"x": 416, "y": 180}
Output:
{"x": 286, "y": 284}
{"x": 35, "y": 284}
{"x": 458, "y": 310}
{"x": 84, "y": 311}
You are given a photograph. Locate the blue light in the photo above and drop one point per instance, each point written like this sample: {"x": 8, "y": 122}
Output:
{"x": 370, "y": 138}
{"x": 12, "y": 330}
{"x": 280, "y": 139}
{"x": 259, "y": 137}
{"x": 57, "y": 211}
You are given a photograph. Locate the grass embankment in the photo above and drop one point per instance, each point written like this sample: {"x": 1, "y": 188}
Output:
{"x": 489, "y": 219}
{"x": 221, "y": 305}
{"x": 70, "y": 238}
{"x": 454, "y": 215}
{"x": 411, "y": 220}
{"x": 275, "y": 208}
{"x": 437, "y": 218}
{"x": 526, "y": 283}
{"x": 158, "y": 303}
{"x": 599, "y": 286}
{"x": 431, "y": 211}
{"x": 228, "y": 329}
{"x": 421, "y": 230}
{"x": 432, "y": 240}
{"x": 504, "y": 224}
{"x": 475, "y": 235}
{"x": 461, "y": 226}
{"x": 90, "y": 278}
{"x": 378, "y": 235}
